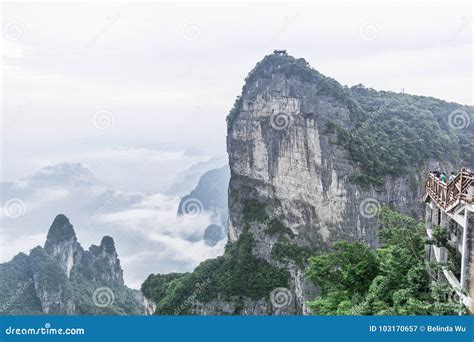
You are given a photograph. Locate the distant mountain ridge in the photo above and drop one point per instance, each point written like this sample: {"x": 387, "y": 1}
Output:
{"x": 64, "y": 279}
{"x": 210, "y": 196}
{"x": 188, "y": 179}
{"x": 64, "y": 173}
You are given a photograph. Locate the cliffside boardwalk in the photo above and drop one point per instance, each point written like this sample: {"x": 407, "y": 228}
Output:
{"x": 451, "y": 206}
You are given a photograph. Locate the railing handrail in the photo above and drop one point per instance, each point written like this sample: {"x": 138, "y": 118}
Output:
{"x": 448, "y": 195}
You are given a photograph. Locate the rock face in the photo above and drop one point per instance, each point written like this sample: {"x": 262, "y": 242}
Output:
{"x": 106, "y": 255}
{"x": 311, "y": 161}
{"x": 51, "y": 284}
{"x": 64, "y": 279}
{"x": 283, "y": 155}
{"x": 61, "y": 244}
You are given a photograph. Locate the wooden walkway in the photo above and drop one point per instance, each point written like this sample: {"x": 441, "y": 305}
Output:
{"x": 449, "y": 196}
{"x": 451, "y": 205}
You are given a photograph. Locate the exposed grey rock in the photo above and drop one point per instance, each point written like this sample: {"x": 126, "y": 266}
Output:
{"x": 281, "y": 155}
{"x": 61, "y": 243}
{"x": 51, "y": 284}
{"x": 148, "y": 306}
{"x": 106, "y": 255}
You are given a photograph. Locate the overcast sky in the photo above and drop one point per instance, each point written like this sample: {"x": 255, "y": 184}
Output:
{"x": 163, "y": 76}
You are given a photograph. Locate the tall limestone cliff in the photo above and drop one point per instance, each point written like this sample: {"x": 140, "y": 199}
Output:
{"x": 61, "y": 244}
{"x": 310, "y": 163}
{"x": 63, "y": 278}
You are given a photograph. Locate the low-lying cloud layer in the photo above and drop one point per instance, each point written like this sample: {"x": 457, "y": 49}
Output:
{"x": 149, "y": 235}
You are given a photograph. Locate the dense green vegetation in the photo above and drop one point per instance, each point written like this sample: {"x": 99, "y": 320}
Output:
{"x": 17, "y": 291}
{"x": 439, "y": 238}
{"x": 120, "y": 300}
{"x": 299, "y": 254}
{"x": 235, "y": 274}
{"x": 254, "y": 211}
{"x": 392, "y": 280}
{"x": 48, "y": 272}
{"x": 402, "y": 131}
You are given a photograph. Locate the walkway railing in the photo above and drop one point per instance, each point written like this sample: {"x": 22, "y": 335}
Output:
{"x": 448, "y": 196}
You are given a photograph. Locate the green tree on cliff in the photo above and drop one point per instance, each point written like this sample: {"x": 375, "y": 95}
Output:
{"x": 391, "y": 280}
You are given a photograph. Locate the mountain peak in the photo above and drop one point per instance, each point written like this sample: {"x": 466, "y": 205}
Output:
{"x": 280, "y": 75}
{"x": 276, "y": 61}
{"x": 63, "y": 173}
{"x": 108, "y": 244}
{"x": 61, "y": 229}
{"x": 58, "y": 278}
